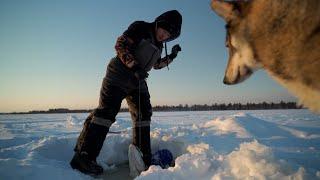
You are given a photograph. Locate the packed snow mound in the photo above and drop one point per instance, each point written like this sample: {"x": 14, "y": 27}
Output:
{"x": 252, "y": 160}
{"x": 196, "y": 164}
{"x": 256, "y": 161}
{"x": 229, "y": 125}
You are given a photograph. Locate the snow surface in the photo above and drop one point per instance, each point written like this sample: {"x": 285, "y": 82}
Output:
{"x": 273, "y": 144}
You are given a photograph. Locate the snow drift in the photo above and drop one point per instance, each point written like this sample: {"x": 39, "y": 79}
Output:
{"x": 214, "y": 145}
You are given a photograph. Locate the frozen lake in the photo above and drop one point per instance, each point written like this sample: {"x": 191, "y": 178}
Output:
{"x": 271, "y": 144}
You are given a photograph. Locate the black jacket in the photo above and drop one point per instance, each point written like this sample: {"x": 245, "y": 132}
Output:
{"x": 129, "y": 44}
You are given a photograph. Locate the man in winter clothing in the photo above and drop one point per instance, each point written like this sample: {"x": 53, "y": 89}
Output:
{"x": 138, "y": 51}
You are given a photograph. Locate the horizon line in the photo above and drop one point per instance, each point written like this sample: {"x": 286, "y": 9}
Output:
{"x": 183, "y": 105}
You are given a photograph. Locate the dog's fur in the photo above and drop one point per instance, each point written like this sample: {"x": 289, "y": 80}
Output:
{"x": 280, "y": 36}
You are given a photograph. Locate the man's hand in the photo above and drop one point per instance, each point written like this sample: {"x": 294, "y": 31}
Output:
{"x": 140, "y": 73}
{"x": 174, "y": 51}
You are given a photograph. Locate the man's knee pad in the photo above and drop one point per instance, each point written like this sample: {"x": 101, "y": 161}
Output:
{"x": 102, "y": 121}
{"x": 104, "y": 116}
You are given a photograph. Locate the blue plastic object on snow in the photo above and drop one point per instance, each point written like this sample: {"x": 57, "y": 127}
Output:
{"x": 163, "y": 158}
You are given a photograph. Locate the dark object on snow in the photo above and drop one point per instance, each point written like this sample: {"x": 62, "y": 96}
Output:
{"x": 162, "y": 158}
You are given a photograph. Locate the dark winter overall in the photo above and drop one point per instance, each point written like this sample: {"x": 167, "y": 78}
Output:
{"x": 138, "y": 46}
{"x": 118, "y": 84}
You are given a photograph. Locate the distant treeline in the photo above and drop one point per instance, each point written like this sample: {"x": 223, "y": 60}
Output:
{"x": 54, "y": 111}
{"x": 180, "y": 107}
{"x": 230, "y": 106}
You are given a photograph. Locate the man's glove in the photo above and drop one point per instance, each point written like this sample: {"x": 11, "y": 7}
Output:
{"x": 174, "y": 51}
{"x": 140, "y": 73}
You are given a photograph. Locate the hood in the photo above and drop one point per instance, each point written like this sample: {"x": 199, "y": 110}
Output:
{"x": 170, "y": 21}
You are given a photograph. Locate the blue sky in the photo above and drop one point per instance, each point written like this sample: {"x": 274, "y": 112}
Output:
{"x": 54, "y": 54}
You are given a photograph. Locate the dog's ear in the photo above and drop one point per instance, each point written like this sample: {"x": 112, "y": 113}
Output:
{"x": 228, "y": 10}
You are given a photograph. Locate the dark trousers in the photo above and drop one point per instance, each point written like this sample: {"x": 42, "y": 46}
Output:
{"x": 99, "y": 121}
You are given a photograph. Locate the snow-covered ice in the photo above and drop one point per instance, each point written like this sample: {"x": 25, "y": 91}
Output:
{"x": 272, "y": 144}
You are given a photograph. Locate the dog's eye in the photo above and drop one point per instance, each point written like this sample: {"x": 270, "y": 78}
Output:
{"x": 227, "y": 26}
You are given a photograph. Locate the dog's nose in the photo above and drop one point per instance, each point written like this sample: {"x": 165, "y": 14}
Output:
{"x": 225, "y": 81}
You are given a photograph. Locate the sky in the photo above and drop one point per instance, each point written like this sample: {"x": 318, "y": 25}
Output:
{"x": 54, "y": 54}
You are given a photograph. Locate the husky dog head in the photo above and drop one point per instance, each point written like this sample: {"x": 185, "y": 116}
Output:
{"x": 242, "y": 60}
{"x": 282, "y": 37}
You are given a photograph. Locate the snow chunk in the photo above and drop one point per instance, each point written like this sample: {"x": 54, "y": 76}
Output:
{"x": 198, "y": 148}
{"x": 74, "y": 121}
{"x": 256, "y": 161}
{"x": 251, "y": 161}
{"x": 5, "y": 134}
{"x": 187, "y": 166}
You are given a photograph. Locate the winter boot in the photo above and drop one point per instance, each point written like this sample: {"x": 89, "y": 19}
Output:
{"x": 83, "y": 163}
{"x": 88, "y": 148}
